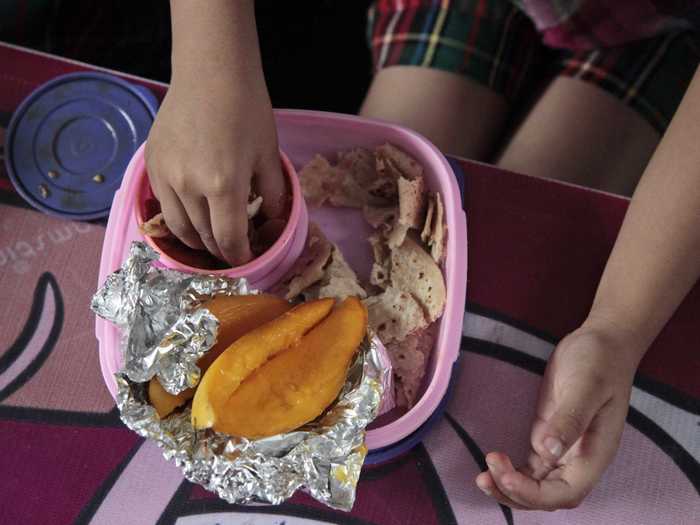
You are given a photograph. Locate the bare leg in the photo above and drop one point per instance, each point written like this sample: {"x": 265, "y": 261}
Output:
{"x": 578, "y": 133}
{"x": 458, "y": 115}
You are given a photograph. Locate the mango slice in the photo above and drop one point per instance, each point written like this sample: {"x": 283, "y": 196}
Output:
{"x": 248, "y": 353}
{"x": 297, "y": 385}
{"x": 237, "y": 315}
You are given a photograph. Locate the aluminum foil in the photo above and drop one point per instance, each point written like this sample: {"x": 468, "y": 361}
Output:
{"x": 164, "y": 333}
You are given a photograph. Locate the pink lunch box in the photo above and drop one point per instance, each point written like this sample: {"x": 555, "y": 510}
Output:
{"x": 302, "y": 135}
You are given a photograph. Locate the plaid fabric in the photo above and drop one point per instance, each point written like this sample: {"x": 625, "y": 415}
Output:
{"x": 496, "y": 44}
{"x": 491, "y": 42}
{"x": 590, "y": 24}
{"x": 650, "y": 76}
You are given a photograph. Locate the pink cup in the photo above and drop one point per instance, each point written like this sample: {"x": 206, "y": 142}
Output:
{"x": 263, "y": 271}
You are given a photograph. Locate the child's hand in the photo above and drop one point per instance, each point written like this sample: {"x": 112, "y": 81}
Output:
{"x": 210, "y": 139}
{"x": 581, "y": 412}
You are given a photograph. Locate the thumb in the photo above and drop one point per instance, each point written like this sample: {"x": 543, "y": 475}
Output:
{"x": 569, "y": 420}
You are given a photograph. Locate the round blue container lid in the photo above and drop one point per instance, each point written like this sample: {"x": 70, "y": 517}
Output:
{"x": 70, "y": 141}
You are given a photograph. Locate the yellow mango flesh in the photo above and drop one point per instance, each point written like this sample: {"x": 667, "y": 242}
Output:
{"x": 237, "y": 315}
{"x": 297, "y": 385}
{"x": 248, "y": 353}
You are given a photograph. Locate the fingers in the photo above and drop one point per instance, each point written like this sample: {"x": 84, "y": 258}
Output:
{"x": 536, "y": 467}
{"x": 271, "y": 185}
{"x": 218, "y": 223}
{"x": 229, "y": 222}
{"x": 499, "y": 466}
{"x": 547, "y": 494}
{"x": 552, "y": 437}
{"x": 486, "y": 484}
{"x": 565, "y": 486}
{"x": 198, "y": 211}
{"x": 177, "y": 219}
{"x": 519, "y": 491}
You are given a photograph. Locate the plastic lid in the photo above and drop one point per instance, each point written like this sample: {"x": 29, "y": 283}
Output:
{"x": 70, "y": 141}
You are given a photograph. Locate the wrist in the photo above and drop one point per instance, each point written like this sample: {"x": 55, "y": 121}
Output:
{"x": 219, "y": 41}
{"x": 629, "y": 341}
{"x": 216, "y": 81}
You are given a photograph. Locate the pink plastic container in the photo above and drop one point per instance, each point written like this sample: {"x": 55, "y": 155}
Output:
{"x": 302, "y": 135}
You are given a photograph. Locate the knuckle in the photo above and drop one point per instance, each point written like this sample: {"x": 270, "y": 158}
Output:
{"x": 180, "y": 182}
{"x": 180, "y": 229}
{"x": 221, "y": 184}
{"x": 184, "y": 236}
{"x": 228, "y": 242}
{"x": 205, "y": 235}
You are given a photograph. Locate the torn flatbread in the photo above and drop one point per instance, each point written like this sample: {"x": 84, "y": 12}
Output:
{"x": 360, "y": 164}
{"x": 396, "y": 223}
{"x": 394, "y": 314}
{"x": 380, "y": 218}
{"x": 428, "y": 224}
{"x": 347, "y": 184}
{"x": 155, "y": 227}
{"x": 381, "y": 268}
{"x": 394, "y": 163}
{"x": 254, "y": 206}
{"x": 356, "y": 177}
{"x": 397, "y": 235}
{"x": 437, "y": 235}
{"x": 413, "y": 271}
{"x": 314, "y": 178}
{"x": 383, "y": 190}
{"x": 409, "y": 268}
{"x": 321, "y": 271}
{"x": 411, "y": 194}
{"x": 411, "y": 210}
{"x": 411, "y": 201}
{"x": 339, "y": 280}
{"x": 347, "y": 192}
{"x": 309, "y": 267}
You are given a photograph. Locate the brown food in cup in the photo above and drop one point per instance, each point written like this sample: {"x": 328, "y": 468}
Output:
{"x": 262, "y": 234}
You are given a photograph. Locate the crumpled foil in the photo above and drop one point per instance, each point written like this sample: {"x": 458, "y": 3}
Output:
{"x": 164, "y": 333}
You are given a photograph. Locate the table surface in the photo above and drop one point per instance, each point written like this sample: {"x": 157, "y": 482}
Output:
{"x": 536, "y": 251}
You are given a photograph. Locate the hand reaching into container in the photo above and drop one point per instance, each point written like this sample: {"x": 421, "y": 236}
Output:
{"x": 215, "y": 135}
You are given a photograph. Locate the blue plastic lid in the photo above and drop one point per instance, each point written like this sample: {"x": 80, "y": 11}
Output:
{"x": 70, "y": 141}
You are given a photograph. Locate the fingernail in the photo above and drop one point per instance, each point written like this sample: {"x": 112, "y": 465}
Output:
{"x": 493, "y": 467}
{"x": 554, "y": 446}
{"x": 485, "y": 491}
